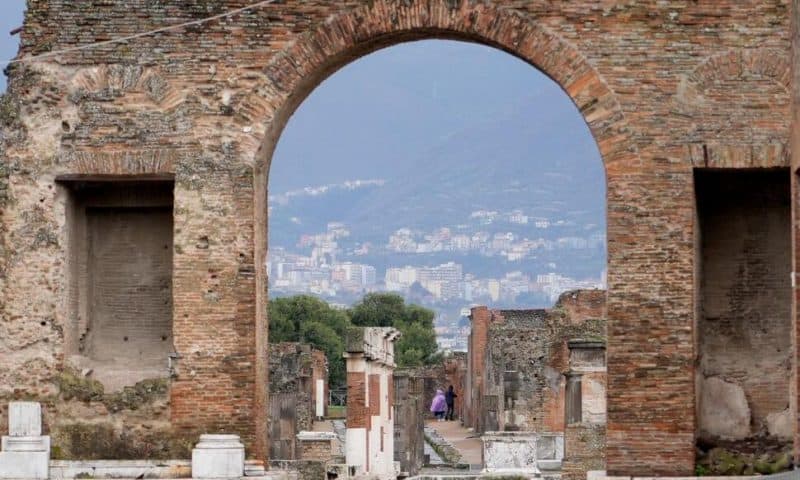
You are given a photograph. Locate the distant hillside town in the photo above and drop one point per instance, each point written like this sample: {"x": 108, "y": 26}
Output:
{"x": 319, "y": 264}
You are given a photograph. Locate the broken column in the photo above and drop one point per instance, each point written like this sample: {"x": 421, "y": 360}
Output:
{"x": 370, "y": 428}
{"x": 25, "y": 451}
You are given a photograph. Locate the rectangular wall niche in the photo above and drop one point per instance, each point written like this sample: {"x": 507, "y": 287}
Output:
{"x": 744, "y": 309}
{"x": 120, "y": 279}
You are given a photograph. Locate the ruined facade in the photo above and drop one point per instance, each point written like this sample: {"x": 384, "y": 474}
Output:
{"x": 542, "y": 373}
{"x": 294, "y": 371}
{"x": 667, "y": 89}
{"x": 369, "y": 354}
{"x": 534, "y": 370}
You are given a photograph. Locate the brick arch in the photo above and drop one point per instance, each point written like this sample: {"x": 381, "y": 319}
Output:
{"x": 716, "y": 139}
{"x": 296, "y": 71}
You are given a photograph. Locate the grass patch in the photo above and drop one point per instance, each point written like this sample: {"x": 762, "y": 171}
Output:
{"x": 337, "y": 411}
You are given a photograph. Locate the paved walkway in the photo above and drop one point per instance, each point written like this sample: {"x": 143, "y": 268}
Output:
{"x": 462, "y": 439}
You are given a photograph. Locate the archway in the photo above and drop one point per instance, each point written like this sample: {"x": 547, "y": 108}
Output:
{"x": 348, "y": 36}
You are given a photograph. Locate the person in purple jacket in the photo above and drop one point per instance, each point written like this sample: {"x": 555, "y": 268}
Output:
{"x": 439, "y": 405}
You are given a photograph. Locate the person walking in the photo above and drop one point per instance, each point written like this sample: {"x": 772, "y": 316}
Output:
{"x": 439, "y": 405}
{"x": 450, "y": 398}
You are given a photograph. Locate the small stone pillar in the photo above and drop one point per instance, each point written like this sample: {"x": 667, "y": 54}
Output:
{"x": 25, "y": 452}
{"x": 218, "y": 456}
{"x": 316, "y": 446}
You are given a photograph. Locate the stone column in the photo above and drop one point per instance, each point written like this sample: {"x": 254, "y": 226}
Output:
{"x": 370, "y": 425}
{"x": 25, "y": 452}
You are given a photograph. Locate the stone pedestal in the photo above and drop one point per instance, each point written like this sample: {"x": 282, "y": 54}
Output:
{"x": 316, "y": 445}
{"x": 522, "y": 453}
{"x": 25, "y": 452}
{"x": 218, "y": 456}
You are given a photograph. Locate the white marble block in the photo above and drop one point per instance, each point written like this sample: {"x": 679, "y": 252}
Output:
{"x": 24, "y": 419}
{"x": 24, "y": 465}
{"x": 218, "y": 456}
{"x": 25, "y": 452}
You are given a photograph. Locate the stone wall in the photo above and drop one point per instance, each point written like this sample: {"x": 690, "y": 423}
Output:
{"x": 584, "y": 450}
{"x": 665, "y": 88}
{"x": 525, "y": 360}
{"x": 293, "y": 369}
{"x": 440, "y": 376}
{"x": 409, "y": 421}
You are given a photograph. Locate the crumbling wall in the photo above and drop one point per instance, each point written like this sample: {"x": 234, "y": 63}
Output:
{"x": 526, "y": 359}
{"x": 292, "y": 406}
{"x": 517, "y": 375}
{"x": 744, "y": 328}
{"x": 409, "y": 421}
{"x": 584, "y": 450}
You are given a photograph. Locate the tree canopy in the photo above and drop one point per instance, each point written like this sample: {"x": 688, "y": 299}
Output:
{"x": 417, "y": 345}
{"x": 307, "y": 319}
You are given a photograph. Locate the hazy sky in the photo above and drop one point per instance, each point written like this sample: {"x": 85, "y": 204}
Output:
{"x": 378, "y": 115}
{"x": 10, "y": 18}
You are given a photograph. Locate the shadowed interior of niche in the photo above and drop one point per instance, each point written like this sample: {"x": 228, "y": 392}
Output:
{"x": 744, "y": 324}
{"x": 120, "y": 237}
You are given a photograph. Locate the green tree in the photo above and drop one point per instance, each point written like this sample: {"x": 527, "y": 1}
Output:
{"x": 417, "y": 345}
{"x": 307, "y": 319}
{"x": 378, "y": 310}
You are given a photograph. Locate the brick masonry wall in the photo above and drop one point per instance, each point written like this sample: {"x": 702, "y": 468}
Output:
{"x": 357, "y": 410}
{"x": 479, "y": 323}
{"x": 664, "y": 87}
{"x": 315, "y": 450}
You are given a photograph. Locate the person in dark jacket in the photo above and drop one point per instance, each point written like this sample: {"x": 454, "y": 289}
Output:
{"x": 450, "y": 398}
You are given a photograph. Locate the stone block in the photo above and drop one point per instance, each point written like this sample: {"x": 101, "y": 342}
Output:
{"x": 724, "y": 411}
{"x": 24, "y": 465}
{"x": 510, "y": 452}
{"x": 25, "y": 444}
{"x": 25, "y": 458}
{"x": 218, "y": 456}
{"x": 24, "y": 419}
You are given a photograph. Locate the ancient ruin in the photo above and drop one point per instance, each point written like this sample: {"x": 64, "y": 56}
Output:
{"x": 536, "y": 377}
{"x": 691, "y": 105}
{"x": 370, "y": 401}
